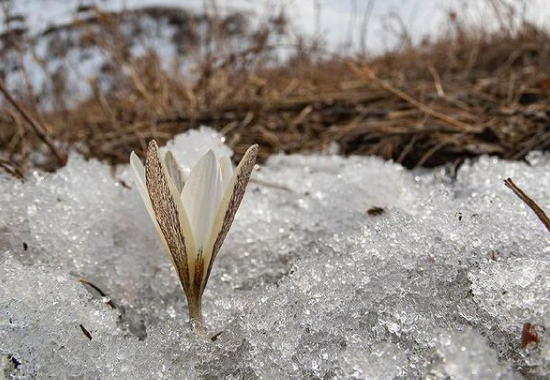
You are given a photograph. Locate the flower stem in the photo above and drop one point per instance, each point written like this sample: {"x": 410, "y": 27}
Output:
{"x": 195, "y": 314}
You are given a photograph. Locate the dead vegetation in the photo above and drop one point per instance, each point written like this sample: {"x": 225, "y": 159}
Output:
{"x": 539, "y": 212}
{"x": 467, "y": 94}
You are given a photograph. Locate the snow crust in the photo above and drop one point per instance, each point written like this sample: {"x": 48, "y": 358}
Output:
{"x": 308, "y": 284}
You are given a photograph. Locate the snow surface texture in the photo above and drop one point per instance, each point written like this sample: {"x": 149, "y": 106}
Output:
{"x": 307, "y": 286}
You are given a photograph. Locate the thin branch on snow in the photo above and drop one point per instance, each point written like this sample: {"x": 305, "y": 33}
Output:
{"x": 529, "y": 202}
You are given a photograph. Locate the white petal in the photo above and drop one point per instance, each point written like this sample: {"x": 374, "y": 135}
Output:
{"x": 227, "y": 170}
{"x": 201, "y": 197}
{"x": 176, "y": 172}
{"x": 225, "y": 214}
{"x": 170, "y": 215}
{"x": 138, "y": 172}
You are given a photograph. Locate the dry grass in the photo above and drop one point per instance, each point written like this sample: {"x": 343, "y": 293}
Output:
{"x": 442, "y": 102}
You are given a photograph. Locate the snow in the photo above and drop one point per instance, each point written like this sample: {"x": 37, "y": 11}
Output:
{"x": 326, "y": 17}
{"x": 307, "y": 284}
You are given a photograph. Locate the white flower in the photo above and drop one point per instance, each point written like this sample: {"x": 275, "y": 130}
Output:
{"x": 192, "y": 213}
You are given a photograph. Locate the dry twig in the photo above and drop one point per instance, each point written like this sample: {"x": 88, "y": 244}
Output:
{"x": 366, "y": 73}
{"x": 11, "y": 169}
{"x": 529, "y": 202}
{"x": 38, "y": 129}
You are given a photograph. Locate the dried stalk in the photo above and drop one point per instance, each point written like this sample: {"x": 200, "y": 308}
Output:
{"x": 529, "y": 202}
{"x": 11, "y": 169}
{"x": 38, "y": 129}
{"x": 366, "y": 73}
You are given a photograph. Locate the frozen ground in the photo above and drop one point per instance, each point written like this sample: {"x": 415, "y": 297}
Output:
{"x": 307, "y": 286}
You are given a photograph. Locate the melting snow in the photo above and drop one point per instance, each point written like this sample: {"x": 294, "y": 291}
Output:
{"x": 307, "y": 285}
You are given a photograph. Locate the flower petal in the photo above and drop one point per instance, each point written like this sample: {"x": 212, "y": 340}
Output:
{"x": 176, "y": 172}
{"x": 229, "y": 205}
{"x": 170, "y": 214}
{"x": 201, "y": 197}
{"x": 138, "y": 172}
{"x": 227, "y": 170}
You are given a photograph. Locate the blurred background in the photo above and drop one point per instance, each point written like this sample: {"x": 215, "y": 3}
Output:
{"x": 423, "y": 83}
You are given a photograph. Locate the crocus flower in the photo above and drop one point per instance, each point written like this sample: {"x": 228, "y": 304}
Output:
{"x": 192, "y": 213}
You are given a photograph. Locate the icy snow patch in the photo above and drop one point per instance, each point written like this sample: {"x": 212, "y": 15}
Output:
{"x": 307, "y": 285}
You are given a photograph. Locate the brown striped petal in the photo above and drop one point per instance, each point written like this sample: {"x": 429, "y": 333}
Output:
{"x": 175, "y": 170}
{"x": 170, "y": 213}
{"x": 228, "y": 207}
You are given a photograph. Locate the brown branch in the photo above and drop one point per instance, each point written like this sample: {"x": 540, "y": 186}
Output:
{"x": 529, "y": 202}
{"x": 11, "y": 169}
{"x": 366, "y": 73}
{"x": 426, "y": 156}
{"x": 35, "y": 125}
